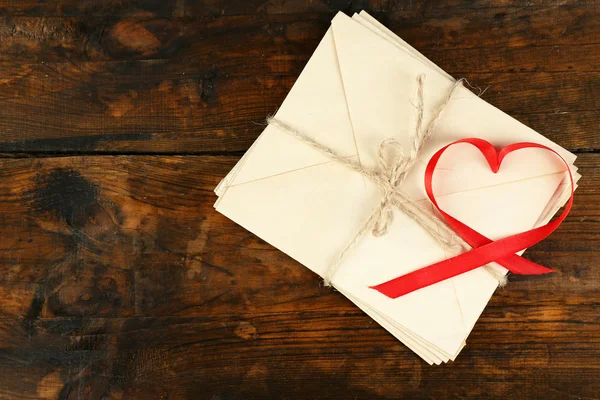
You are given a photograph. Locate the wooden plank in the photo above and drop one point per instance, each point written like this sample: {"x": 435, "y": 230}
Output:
{"x": 76, "y": 39}
{"x": 539, "y": 38}
{"x": 152, "y": 106}
{"x": 179, "y": 85}
{"x": 138, "y": 236}
{"x": 217, "y": 8}
{"x": 173, "y": 8}
{"x": 172, "y": 107}
{"x": 270, "y": 356}
{"x": 462, "y": 27}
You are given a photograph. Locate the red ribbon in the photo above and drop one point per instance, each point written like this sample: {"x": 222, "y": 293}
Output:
{"x": 484, "y": 250}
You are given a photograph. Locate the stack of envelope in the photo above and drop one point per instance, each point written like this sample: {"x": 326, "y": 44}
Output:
{"x": 357, "y": 90}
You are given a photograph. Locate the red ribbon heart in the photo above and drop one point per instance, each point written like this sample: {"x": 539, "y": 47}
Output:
{"x": 484, "y": 250}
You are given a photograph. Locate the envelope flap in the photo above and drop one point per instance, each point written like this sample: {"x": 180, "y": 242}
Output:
{"x": 380, "y": 95}
{"x": 315, "y": 106}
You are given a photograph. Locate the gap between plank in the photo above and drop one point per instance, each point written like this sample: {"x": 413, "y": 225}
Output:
{"x": 69, "y": 153}
{"x": 232, "y": 153}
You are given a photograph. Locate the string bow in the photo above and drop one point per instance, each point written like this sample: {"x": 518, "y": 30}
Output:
{"x": 389, "y": 177}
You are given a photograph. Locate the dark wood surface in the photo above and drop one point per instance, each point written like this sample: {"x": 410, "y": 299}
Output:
{"x": 118, "y": 280}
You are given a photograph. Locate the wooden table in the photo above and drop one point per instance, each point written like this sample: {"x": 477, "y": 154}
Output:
{"x": 119, "y": 280}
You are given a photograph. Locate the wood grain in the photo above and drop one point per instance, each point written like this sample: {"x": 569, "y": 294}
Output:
{"x": 145, "y": 82}
{"x": 158, "y": 106}
{"x": 119, "y": 268}
{"x": 118, "y": 280}
{"x": 216, "y": 8}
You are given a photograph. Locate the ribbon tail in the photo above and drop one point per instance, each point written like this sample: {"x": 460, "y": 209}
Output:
{"x": 446, "y": 269}
{"x": 514, "y": 263}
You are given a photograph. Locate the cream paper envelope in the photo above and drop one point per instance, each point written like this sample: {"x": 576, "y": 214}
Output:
{"x": 315, "y": 181}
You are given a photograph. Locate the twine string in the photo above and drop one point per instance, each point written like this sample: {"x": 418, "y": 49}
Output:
{"x": 389, "y": 176}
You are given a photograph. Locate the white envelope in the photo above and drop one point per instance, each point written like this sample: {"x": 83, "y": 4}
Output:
{"x": 357, "y": 90}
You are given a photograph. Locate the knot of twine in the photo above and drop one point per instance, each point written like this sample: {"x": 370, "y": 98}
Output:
{"x": 388, "y": 177}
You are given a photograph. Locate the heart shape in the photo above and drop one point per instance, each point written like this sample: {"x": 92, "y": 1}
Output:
{"x": 484, "y": 250}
